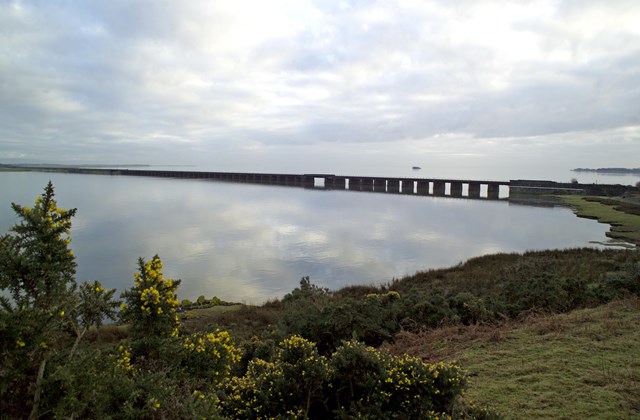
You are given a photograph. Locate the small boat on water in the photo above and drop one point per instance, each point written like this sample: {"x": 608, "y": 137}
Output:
{"x": 416, "y": 168}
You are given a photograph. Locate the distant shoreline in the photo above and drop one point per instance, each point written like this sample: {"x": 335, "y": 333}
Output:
{"x": 609, "y": 170}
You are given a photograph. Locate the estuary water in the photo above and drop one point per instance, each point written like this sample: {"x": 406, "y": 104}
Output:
{"x": 249, "y": 243}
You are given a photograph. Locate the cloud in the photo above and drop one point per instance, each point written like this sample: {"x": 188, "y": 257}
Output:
{"x": 153, "y": 81}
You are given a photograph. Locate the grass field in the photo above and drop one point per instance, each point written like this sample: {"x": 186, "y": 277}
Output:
{"x": 622, "y": 214}
{"x": 583, "y": 364}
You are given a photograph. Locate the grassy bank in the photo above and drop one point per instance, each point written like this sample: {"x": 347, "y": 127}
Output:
{"x": 583, "y": 364}
{"x": 623, "y": 214}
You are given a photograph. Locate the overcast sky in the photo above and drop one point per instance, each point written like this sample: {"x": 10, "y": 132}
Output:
{"x": 216, "y": 82}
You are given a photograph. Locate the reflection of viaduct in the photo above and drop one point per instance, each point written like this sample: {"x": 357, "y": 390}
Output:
{"x": 417, "y": 186}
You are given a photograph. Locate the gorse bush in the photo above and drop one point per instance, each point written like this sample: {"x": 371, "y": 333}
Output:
{"x": 210, "y": 355}
{"x": 354, "y": 381}
{"x": 40, "y": 302}
{"x": 150, "y": 305}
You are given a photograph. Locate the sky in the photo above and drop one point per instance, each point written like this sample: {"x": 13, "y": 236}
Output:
{"x": 303, "y": 84}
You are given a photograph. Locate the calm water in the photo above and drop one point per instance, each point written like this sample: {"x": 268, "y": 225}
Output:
{"x": 250, "y": 243}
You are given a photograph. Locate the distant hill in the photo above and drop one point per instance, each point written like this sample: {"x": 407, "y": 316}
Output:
{"x": 609, "y": 170}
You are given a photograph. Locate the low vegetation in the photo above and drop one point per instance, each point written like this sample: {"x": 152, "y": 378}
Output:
{"x": 623, "y": 214}
{"x": 315, "y": 353}
{"x": 583, "y": 364}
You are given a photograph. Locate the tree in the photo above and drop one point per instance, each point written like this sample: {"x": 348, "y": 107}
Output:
{"x": 94, "y": 303}
{"x": 36, "y": 265}
{"x": 37, "y": 272}
{"x": 37, "y": 269}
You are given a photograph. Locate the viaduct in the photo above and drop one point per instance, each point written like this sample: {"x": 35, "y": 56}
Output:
{"x": 458, "y": 188}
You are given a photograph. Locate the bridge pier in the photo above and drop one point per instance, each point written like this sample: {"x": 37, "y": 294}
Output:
{"x": 439, "y": 188}
{"x": 366, "y": 184}
{"x": 474, "y": 190}
{"x": 423, "y": 187}
{"x": 380, "y": 185}
{"x": 493, "y": 191}
{"x": 393, "y": 185}
{"x": 407, "y": 186}
{"x": 309, "y": 182}
{"x": 339, "y": 183}
{"x": 328, "y": 182}
{"x": 455, "y": 189}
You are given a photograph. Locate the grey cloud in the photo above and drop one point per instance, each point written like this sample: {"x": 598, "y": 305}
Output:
{"x": 87, "y": 79}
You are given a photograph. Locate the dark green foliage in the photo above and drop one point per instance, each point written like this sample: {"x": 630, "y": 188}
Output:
{"x": 36, "y": 266}
{"x": 37, "y": 271}
{"x": 354, "y": 381}
{"x": 482, "y": 290}
{"x": 470, "y": 309}
{"x": 422, "y": 308}
{"x": 96, "y": 384}
{"x": 313, "y": 313}
{"x": 626, "y": 280}
{"x": 306, "y": 292}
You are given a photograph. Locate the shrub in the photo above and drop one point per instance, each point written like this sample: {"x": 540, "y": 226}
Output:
{"x": 425, "y": 308}
{"x": 470, "y": 309}
{"x": 374, "y": 384}
{"x": 209, "y": 355}
{"x": 626, "y": 280}
{"x": 288, "y": 386}
{"x": 150, "y": 306}
{"x": 355, "y": 381}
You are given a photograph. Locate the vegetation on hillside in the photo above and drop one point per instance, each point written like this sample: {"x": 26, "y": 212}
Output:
{"x": 583, "y": 364}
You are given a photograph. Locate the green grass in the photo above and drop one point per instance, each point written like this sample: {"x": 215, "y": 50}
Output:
{"x": 209, "y": 311}
{"x": 583, "y": 364}
{"x": 624, "y": 223}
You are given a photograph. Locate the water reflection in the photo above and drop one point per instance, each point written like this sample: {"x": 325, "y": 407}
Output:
{"x": 250, "y": 242}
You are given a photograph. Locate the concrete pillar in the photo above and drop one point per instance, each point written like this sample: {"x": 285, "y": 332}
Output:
{"x": 439, "y": 188}
{"x": 493, "y": 191}
{"x": 407, "y": 186}
{"x": 366, "y": 184}
{"x": 423, "y": 187}
{"x": 328, "y": 182}
{"x": 456, "y": 189}
{"x": 380, "y": 185}
{"x": 393, "y": 185}
{"x": 309, "y": 182}
{"x": 474, "y": 190}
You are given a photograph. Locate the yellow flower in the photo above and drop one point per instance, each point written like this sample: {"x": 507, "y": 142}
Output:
{"x": 20, "y": 343}
{"x": 61, "y": 313}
